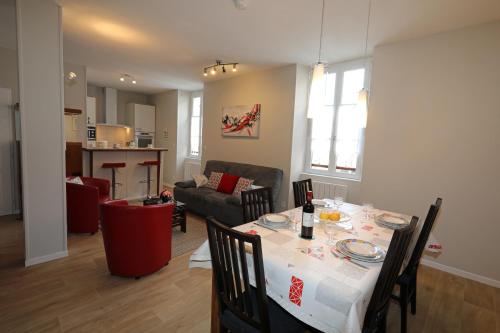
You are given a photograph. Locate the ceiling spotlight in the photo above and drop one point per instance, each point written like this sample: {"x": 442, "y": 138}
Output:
{"x": 205, "y": 72}
{"x": 122, "y": 79}
{"x": 234, "y": 68}
{"x": 213, "y": 71}
{"x": 223, "y": 69}
{"x": 134, "y": 81}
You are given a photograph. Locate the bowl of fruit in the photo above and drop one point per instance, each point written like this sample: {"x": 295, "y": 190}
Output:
{"x": 333, "y": 215}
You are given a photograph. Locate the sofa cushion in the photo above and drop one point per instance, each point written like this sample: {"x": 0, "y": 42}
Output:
{"x": 233, "y": 200}
{"x": 227, "y": 183}
{"x": 214, "y": 180}
{"x": 243, "y": 184}
{"x": 200, "y": 180}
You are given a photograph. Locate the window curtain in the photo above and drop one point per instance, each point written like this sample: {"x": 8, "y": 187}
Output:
{"x": 316, "y": 91}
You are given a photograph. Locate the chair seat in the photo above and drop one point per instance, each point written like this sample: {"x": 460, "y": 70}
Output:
{"x": 149, "y": 163}
{"x": 114, "y": 165}
{"x": 281, "y": 320}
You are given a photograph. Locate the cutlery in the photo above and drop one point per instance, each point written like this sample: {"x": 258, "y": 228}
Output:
{"x": 334, "y": 252}
{"x": 265, "y": 226}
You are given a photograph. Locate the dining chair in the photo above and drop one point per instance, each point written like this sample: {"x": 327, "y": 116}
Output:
{"x": 407, "y": 281}
{"x": 376, "y": 313}
{"x": 300, "y": 189}
{"x": 242, "y": 307}
{"x": 256, "y": 203}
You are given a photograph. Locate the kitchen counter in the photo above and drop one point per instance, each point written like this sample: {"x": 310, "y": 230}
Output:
{"x": 124, "y": 149}
{"x": 131, "y": 178}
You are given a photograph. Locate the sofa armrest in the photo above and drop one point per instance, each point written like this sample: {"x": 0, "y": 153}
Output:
{"x": 186, "y": 184}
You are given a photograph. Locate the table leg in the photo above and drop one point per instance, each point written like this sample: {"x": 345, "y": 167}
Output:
{"x": 214, "y": 322}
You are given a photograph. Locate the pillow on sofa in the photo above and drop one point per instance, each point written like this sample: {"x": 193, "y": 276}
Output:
{"x": 243, "y": 184}
{"x": 214, "y": 180}
{"x": 227, "y": 183}
{"x": 74, "y": 180}
{"x": 200, "y": 180}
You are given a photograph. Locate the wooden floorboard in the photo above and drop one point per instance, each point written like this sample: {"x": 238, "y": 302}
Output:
{"x": 77, "y": 294}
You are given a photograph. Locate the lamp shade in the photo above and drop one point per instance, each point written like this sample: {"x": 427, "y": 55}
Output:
{"x": 316, "y": 92}
{"x": 363, "y": 107}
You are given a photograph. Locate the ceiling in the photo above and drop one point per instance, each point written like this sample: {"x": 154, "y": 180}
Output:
{"x": 165, "y": 44}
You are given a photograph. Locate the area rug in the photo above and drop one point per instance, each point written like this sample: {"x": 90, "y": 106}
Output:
{"x": 195, "y": 236}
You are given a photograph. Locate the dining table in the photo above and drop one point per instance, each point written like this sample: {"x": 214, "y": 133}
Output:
{"x": 309, "y": 278}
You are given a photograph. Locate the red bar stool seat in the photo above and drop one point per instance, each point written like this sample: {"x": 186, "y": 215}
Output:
{"x": 148, "y": 165}
{"x": 113, "y": 166}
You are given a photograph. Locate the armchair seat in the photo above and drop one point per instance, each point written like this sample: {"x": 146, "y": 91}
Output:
{"x": 137, "y": 239}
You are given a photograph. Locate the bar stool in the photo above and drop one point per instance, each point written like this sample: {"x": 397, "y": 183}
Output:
{"x": 113, "y": 167}
{"x": 149, "y": 164}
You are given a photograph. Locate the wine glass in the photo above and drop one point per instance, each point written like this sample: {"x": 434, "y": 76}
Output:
{"x": 330, "y": 229}
{"x": 339, "y": 195}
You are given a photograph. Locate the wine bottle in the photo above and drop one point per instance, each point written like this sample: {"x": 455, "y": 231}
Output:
{"x": 307, "y": 217}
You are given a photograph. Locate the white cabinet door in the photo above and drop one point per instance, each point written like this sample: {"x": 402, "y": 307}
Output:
{"x": 91, "y": 106}
{"x": 145, "y": 118}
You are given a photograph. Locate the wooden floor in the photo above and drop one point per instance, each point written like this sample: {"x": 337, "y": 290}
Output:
{"x": 77, "y": 294}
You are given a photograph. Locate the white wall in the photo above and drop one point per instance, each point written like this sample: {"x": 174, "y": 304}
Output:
{"x": 183, "y": 132}
{"x": 166, "y": 119}
{"x": 433, "y": 130}
{"x": 41, "y": 92}
{"x": 75, "y": 97}
{"x": 275, "y": 90}
{"x": 8, "y": 72}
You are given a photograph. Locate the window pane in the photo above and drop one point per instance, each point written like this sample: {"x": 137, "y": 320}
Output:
{"x": 196, "y": 106}
{"x": 353, "y": 83}
{"x": 195, "y": 126}
{"x": 321, "y": 138}
{"x": 330, "y": 88}
{"x": 347, "y": 139}
{"x": 195, "y": 145}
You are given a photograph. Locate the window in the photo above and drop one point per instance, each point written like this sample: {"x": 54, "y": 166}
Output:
{"x": 335, "y": 136}
{"x": 196, "y": 123}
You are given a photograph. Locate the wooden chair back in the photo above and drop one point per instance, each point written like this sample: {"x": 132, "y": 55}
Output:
{"x": 423, "y": 236}
{"x": 256, "y": 203}
{"x": 300, "y": 189}
{"x": 379, "y": 303}
{"x": 229, "y": 263}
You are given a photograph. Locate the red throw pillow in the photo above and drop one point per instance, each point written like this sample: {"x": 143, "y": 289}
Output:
{"x": 227, "y": 183}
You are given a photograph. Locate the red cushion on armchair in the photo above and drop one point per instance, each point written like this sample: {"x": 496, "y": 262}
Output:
{"x": 137, "y": 239}
{"x": 82, "y": 204}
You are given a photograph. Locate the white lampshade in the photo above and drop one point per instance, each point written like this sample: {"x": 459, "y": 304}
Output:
{"x": 316, "y": 93}
{"x": 363, "y": 107}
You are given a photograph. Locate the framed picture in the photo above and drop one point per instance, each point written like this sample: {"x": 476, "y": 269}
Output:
{"x": 241, "y": 121}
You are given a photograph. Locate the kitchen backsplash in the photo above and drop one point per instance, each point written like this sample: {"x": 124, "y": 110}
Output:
{"x": 114, "y": 134}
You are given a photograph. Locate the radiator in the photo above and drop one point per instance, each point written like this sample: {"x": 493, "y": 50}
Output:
{"x": 191, "y": 168}
{"x": 327, "y": 190}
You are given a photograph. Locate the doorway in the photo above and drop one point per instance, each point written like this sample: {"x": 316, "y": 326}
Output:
{"x": 8, "y": 195}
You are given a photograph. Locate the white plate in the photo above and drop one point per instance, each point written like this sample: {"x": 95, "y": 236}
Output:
{"x": 276, "y": 218}
{"x": 391, "y": 219}
{"x": 360, "y": 247}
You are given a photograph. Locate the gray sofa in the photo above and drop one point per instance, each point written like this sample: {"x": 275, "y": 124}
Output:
{"x": 226, "y": 207}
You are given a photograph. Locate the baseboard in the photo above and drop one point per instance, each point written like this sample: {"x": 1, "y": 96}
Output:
{"x": 461, "y": 273}
{"x": 48, "y": 257}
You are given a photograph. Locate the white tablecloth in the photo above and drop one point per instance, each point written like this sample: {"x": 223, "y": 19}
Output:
{"x": 308, "y": 281}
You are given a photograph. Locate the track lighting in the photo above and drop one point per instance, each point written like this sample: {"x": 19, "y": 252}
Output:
{"x": 127, "y": 77}
{"x": 219, "y": 64}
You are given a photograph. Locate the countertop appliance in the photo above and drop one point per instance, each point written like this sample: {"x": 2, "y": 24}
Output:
{"x": 144, "y": 139}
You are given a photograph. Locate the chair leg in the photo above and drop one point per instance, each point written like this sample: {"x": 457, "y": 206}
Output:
{"x": 403, "y": 303}
{"x": 414, "y": 297}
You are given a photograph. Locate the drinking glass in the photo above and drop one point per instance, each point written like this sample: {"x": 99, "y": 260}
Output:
{"x": 339, "y": 195}
{"x": 367, "y": 209}
{"x": 330, "y": 230}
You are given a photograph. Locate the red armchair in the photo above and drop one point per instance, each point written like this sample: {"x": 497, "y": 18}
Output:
{"x": 137, "y": 239}
{"x": 83, "y": 204}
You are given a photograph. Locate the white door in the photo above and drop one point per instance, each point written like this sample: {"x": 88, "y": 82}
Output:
{"x": 6, "y": 153}
{"x": 144, "y": 118}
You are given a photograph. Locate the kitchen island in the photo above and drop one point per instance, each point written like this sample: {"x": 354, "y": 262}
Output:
{"x": 132, "y": 178}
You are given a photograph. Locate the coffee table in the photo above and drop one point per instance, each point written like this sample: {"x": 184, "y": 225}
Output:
{"x": 178, "y": 216}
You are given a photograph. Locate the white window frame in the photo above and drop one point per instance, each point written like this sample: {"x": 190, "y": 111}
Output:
{"x": 339, "y": 70}
{"x": 194, "y": 95}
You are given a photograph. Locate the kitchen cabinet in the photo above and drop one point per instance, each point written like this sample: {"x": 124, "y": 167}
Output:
{"x": 141, "y": 117}
{"x": 91, "y": 111}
